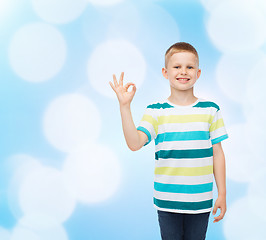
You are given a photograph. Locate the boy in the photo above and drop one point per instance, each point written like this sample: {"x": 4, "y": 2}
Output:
{"x": 187, "y": 132}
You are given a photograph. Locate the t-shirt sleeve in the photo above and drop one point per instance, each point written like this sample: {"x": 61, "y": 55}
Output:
{"x": 217, "y": 129}
{"x": 149, "y": 124}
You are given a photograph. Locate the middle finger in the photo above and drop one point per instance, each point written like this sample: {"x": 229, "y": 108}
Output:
{"x": 121, "y": 79}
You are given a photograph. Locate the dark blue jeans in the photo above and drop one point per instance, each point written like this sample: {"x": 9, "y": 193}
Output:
{"x": 183, "y": 226}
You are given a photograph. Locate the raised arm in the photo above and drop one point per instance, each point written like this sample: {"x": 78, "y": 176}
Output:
{"x": 135, "y": 139}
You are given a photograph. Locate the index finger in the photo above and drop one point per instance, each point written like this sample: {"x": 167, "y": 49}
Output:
{"x": 115, "y": 81}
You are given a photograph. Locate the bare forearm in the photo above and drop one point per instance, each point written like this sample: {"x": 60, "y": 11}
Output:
{"x": 129, "y": 128}
{"x": 220, "y": 174}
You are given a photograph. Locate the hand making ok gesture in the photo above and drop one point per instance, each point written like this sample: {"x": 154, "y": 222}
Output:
{"x": 124, "y": 97}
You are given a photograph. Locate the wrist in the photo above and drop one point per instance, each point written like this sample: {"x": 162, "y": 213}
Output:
{"x": 222, "y": 194}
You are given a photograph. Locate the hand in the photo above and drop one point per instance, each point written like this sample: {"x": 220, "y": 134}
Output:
{"x": 220, "y": 203}
{"x": 124, "y": 97}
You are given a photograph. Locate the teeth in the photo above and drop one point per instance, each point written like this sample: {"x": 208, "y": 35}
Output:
{"x": 183, "y": 79}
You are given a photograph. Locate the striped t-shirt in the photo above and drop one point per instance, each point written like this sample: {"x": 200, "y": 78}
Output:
{"x": 183, "y": 136}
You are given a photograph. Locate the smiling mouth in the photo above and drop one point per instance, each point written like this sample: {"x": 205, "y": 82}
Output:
{"x": 183, "y": 79}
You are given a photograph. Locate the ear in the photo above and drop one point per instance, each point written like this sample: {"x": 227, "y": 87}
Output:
{"x": 198, "y": 73}
{"x": 164, "y": 71}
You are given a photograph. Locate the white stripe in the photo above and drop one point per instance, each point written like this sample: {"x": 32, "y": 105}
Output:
{"x": 218, "y": 132}
{"x": 151, "y": 111}
{"x": 173, "y": 162}
{"x": 183, "y": 197}
{"x": 183, "y": 211}
{"x": 184, "y": 179}
{"x": 182, "y": 145}
{"x": 188, "y": 111}
{"x": 183, "y": 127}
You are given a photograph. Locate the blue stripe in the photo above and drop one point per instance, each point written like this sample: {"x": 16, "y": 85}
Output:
{"x": 147, "y": 133}
{"x": 183, "y": 136}
{"x": 180, "y": 188}
{"x": 219, "y": 139}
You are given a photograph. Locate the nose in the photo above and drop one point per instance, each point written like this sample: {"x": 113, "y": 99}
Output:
{"x": 184, "y": 71}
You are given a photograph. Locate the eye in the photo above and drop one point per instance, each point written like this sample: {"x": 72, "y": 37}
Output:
{"x": 190, "y": 67}
{"x": 176, "y": 67}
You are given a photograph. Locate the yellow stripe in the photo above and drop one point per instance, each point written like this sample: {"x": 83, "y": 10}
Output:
{"x": 152, "y": 121}
{"x": 219, "y": 123}
{"x": 184, "y": 171}
{"x": 185, "y": 118}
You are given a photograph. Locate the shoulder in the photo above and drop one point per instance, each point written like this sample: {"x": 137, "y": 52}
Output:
{"x": 205, "y": 103}
{"x": 159, "y": 104}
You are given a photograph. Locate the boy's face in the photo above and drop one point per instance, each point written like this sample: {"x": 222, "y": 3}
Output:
{"x": 182, "y": 71}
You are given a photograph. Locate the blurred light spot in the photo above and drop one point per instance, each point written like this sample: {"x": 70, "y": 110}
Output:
{"x": 256, "y": 84}
{"x": 28, "y": 229}
{"x": 70, "y": 120}
{"x": 37, "y": 52}
{"x": 5, "y": 7}
{"x": 59, "y": 11}
{"x": 210, "y": 4}
{"x": 235, "y": 27}
{"x": 256, "y": 131}
{"x": 44, "y": 192}
{"x": 114, "y": 57}
{"x": 93, "y": 173}
{"x": 241, "y": 165}
{"x": 104, "y": 2}
{"x": 114, "y": 23}
{"x": 20, "y": 233}
{"x": 158, "y": 31}
{"x": 4, "y": 234}
{"x": 257, "y": 194}
{"x": 241, "y": 223}
{"x": 21, "y": 165}
{"x": 121, "y": 24}
{"x": 232, "y": 73}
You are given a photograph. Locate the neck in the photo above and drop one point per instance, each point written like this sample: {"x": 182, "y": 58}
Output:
{"x": 182, "y": 97}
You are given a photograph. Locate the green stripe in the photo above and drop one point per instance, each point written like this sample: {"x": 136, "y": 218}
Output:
{"x": 182, "y": 136}
{"x": 160, "y": 105}
{"x": 206, "y": 105}
{"x": 187, "y": 153}
{"x": 181, "y": 188}
{"x": 183, "y": 205}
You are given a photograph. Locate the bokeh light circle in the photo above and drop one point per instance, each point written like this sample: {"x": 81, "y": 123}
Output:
{"x": 70, "y": 120}
{"x": 256, "y": 84}
{"x": 235, "y": 27}
{"x": 21, "y": 166}
{"x": 4, "y": 234}
{"x": 239, "y": 156}
{"x": 27, "y": 228}
{"x": 59, "y": 11}
{"x": 92, "y": 172}
{"x": 232, "y": 73}
{"x": 114, "y": 57}
{"x": 37, "y": 52}
{"x": 45, "y": 192}
{"x": 104, "y": 2}
{"x": 241, "y": 223}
